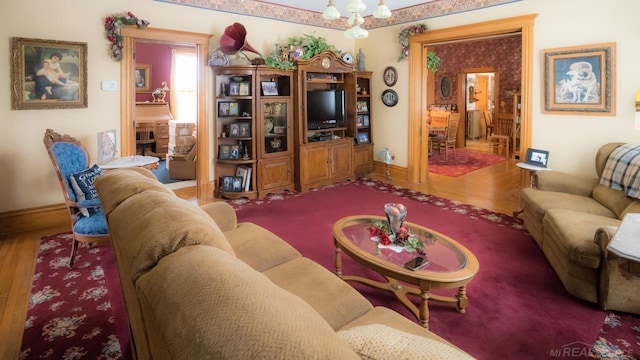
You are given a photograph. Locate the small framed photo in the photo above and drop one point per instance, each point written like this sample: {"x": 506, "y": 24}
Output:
{"x": 363, "y": 138}
{"x": 106, "y": 146}
{"x": 279, "y": 129}
{"x": 233, "y": 109}
{"x": 223, "y": 109}
{"x": 269, "y": 88}
{"x": 227, "y": 183}
{"x": 234, "y": 88}
{"x": 234, "y": 129}
{"x": 365, "y": 120}
{"x": 224, "y": 151}
{"x": 234, "y": 152}
{"x": 359, "y": 120}
{"x": 244, "y": 89}
{"x": 537, "y": 157}
{"x": 362, "y": 107}
{"x": 236, "y": 184}
{"x": 245, "y": 129}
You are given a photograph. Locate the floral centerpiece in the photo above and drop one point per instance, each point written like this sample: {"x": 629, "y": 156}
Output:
{"x": 393, "y": 233}
{"x": 112, "y": 26}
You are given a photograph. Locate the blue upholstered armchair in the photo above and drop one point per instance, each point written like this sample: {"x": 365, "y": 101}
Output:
{"x": 72, "y": 166}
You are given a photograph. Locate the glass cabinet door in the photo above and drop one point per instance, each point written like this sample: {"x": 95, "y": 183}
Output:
{"x": 275, "y": 127}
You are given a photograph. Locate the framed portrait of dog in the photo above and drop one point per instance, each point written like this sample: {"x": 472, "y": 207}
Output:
{"x": 580, "y": 80}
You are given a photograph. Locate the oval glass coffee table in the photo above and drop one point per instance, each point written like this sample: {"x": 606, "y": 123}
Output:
{"x": 451, "y": 265}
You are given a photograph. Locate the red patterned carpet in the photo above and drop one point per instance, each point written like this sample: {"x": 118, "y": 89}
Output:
{"x": 464, "y": 162}
{"x": 517, "y": 306}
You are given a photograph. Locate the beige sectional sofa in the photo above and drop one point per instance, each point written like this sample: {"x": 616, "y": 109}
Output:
{"x": 199, "y": 285}
{"x": 563, "y": 213}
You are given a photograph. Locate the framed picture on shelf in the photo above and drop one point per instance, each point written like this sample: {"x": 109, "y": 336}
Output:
{"x": 269, "y": 88}
{"x": 362, "y": 107}
{"x": 245, "y": 129}
{"x": 227, "y": 183}
{"x": 223, "y": 109}
{"x": 224, "y": 151}
{"x": 363, "y": 138}
{"x": 234, "y": 129}
{"x": 279, "y": 129}
{"x": 365, "y": 120}
{"x": 580, "y": 80}
{"x": 233, "y": 109}
{"x": 244, "y": 89}
{"x": 234, "y": 152}
{"x": 359, "y": 121}
{"x": 234, "y": 88}
{"x": 236, "y": 185}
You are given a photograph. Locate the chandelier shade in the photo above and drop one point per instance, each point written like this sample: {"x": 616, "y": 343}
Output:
{"x": 355, "y": 20}
{"x": 331, "y": 12}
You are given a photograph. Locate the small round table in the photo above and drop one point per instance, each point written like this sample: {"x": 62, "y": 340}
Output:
{"x": 147, "y": 162}
{"x": 531, "y": 170}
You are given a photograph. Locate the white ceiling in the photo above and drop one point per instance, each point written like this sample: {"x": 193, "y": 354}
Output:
{"x": 320, "y": 5}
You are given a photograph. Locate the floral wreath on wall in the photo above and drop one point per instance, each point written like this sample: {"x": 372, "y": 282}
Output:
{"x": 112, "y": 26}
{"x": 403, "y": 38}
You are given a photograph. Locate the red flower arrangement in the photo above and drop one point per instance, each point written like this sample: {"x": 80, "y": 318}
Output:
{"x": 112, "y": 26}
{"x": 403, "y": 238}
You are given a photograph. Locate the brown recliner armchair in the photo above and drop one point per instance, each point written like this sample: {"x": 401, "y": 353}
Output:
{"x": 563, "y": 214}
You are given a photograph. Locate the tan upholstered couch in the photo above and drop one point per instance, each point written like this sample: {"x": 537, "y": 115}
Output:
{"x": 563, "y": 214}
{"x": 199, "y": 285}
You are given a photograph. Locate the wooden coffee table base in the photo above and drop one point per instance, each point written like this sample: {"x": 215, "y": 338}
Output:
{"x": 401, "y": 290}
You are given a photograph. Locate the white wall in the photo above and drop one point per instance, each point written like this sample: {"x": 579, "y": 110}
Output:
{"x": 572, "y": 140}
{"x": 28, "y": 180}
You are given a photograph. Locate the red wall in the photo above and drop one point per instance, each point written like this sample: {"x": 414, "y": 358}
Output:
{"x": 159, "y": 57}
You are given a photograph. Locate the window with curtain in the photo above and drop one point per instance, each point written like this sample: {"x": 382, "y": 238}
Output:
{"x": 184, "y": 100}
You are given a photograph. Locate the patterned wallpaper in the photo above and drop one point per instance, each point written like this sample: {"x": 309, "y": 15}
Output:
{"x": 283, "y": 13}
{"x": 502, "y": 54}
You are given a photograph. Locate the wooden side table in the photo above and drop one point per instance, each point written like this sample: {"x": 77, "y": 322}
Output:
{"x": 528, "y": 171}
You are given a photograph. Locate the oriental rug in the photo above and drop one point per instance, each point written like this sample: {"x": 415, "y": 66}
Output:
{"x": 517, "y": 308}
{"x": 464, "y": 162}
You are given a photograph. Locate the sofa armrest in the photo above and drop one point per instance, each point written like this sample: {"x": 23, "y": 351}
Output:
{"x": 603, "y": 237}
{"x": 223, "y": 214}
{"x": 566, "y": 183}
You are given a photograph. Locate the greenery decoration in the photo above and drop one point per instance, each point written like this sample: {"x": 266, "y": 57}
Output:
{"x": 311, "y": 46}
{"x": 433, "y": 61}
{"x": 113, "y": 25}
{"x": 403, "y": 38}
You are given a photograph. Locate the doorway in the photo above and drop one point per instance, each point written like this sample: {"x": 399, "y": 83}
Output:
{"x": 421, "y": 88}
{"x": 480, "y": 89}
{"x": 200, "y": 43}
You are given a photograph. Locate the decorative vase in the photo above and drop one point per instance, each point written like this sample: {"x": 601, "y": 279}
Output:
{"x": 396, "y": 214}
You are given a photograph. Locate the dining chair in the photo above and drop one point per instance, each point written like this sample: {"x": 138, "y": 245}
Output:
{"x": 449, "y": 143}
{"x": 71, "y": 164}
{"x": 438, "y": 124}
{"x": 488, "y": 124}
{"x": 502, "y": 134}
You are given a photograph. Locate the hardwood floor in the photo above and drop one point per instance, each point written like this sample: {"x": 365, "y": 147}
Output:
{"x": 495, "y": 188}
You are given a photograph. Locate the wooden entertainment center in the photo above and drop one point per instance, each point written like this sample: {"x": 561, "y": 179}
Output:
{"x": 281, "y": 150}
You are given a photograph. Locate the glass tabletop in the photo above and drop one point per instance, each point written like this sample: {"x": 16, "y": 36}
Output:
{"x": 444, "y": 255}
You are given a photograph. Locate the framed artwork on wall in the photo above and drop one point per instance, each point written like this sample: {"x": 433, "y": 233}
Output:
{"x": 580, "y": 80}
{"x": 142, "y": 78}
{"x": 48, "y": 74}
{"x": 106, "y": 146}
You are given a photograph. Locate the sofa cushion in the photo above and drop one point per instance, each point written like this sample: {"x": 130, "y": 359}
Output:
{"x": 634, "y": 207}
{"x": 124, "y": 183}
{"x": 336, "y": 301}
{"x": 378, "y": 342}
{"x": 539, "y": 202}
{"x": 259, "y": 247}
{"x": 231, "y": 312}
{"x": 614, "y": 200}
{"x": 573, "y": 232}
{"x": 151, "y": 225}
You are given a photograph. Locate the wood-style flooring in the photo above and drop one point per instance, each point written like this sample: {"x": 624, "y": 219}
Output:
{"x": 495, "y": 188}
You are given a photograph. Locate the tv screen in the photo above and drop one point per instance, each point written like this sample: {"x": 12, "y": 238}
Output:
{"x": 325, "y": 109}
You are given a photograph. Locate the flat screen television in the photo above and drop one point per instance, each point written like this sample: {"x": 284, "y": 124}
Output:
{"x": 325, "y": 109}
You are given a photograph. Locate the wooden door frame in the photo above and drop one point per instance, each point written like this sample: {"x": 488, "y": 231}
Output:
{"x": 131, "y": 34}
{"x": 422, "y": 84}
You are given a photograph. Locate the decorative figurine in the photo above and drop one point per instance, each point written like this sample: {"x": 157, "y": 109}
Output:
{"x": 360, "y": 60}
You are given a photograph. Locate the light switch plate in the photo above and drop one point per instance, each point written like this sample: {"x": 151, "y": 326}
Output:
{"x": 109, "y": 85}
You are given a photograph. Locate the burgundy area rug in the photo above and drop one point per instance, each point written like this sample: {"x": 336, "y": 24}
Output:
{"x": 75, "y": 313}
{"x": 518, "y": 309}
{"x": 464, "y": 162}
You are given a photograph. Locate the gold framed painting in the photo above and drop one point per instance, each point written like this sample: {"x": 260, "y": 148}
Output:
{"x": 580, "y": 80}
{"x": 142, "y": 78}
{"x": 48, "y": 74}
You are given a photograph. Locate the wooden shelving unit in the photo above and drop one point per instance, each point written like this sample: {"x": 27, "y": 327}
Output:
{"x": 361, "y": 128}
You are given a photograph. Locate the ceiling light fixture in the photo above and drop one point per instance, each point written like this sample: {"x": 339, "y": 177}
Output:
{"x": 355, "y": 7}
